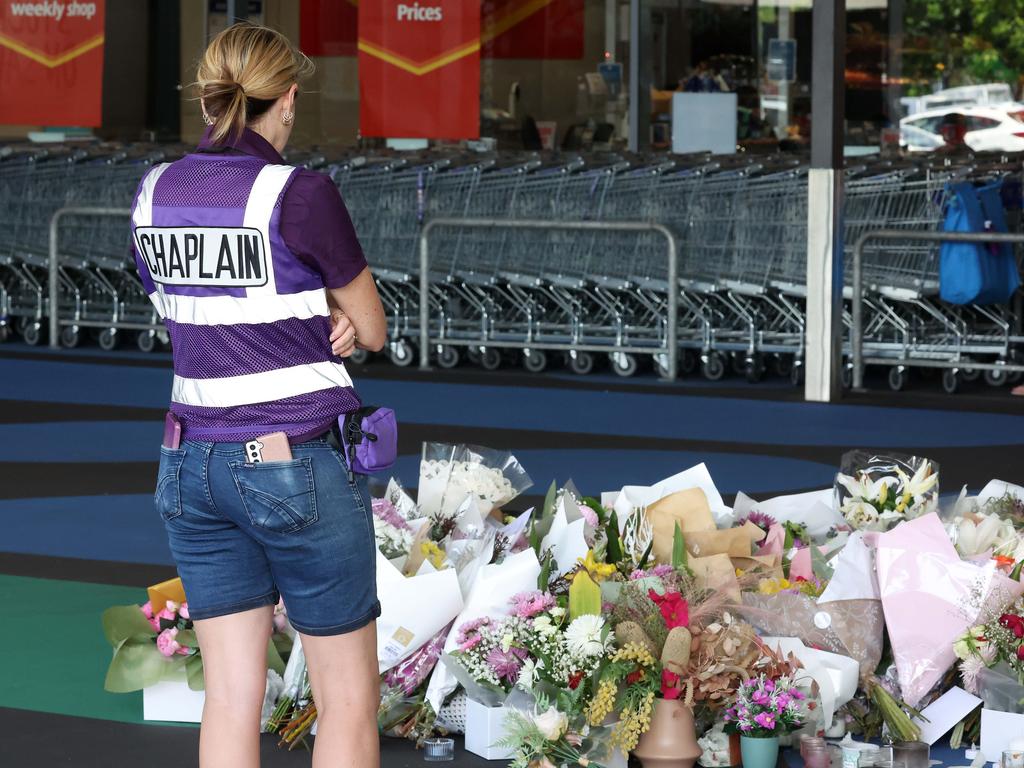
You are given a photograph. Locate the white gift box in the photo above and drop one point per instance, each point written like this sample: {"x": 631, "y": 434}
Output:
{"x": 485, "y": 727}
{"x": 172, "y": 701}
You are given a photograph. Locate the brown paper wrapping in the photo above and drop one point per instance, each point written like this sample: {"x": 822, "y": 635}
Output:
{"x": 159, "y": 594}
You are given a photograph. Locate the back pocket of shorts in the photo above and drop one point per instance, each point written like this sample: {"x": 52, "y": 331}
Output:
{"x": 278, "y": 495}
{"x": 168, "y": 484}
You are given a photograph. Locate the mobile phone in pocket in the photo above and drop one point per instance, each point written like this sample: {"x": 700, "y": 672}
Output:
{"x": 266, "y": 448}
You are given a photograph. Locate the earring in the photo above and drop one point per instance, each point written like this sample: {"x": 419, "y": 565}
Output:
{"x": 207, "y": 119}
{"x": 287, "y": 117}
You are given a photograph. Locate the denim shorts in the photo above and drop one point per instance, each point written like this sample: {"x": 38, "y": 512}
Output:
{"x": 244, "y": 534}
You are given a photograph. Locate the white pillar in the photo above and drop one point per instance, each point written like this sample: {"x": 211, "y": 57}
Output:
{"x": 823, "y": 359}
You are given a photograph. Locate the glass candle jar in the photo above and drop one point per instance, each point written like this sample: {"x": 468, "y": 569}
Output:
{"x": 817, "y": 755}
{"x": 438, "y": 750}
{"x": 913, "y": 754}
{"x": 808, "y": 740}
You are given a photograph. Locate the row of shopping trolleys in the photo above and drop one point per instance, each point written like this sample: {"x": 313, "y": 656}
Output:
{"x": 504, "y": 295}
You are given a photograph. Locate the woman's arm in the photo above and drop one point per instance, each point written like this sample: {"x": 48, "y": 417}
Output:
{"x": 366, "y": 327}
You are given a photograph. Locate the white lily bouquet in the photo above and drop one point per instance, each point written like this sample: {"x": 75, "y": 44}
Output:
{"x": 875, "y": 493}
{"x": 990, "y": 523}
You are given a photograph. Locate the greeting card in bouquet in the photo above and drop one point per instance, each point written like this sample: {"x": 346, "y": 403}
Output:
{"x": 930, "y": 597}
{"x": 451, "y": 473}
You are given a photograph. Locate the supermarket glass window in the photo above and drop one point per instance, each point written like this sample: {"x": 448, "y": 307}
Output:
{"x": 731, "y": 73}
{"x": 935, "y": 76}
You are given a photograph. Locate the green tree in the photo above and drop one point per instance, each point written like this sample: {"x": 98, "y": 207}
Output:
{"x": 963, "y": 41}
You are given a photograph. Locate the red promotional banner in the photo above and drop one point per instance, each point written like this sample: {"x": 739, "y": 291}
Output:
{"x": 510, "y": 29}
{"x": 51, "y": 62}
{"x": 532, "y": 29}
{"x": 328, "y": 27}
{"x": 419, "y": 69}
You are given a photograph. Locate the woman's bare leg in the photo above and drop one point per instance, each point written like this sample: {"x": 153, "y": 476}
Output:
{"x": 346, "y": 689}
{"x": 234, "y": 651}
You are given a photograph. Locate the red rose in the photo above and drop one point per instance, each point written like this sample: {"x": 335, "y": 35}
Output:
{"x": 1013, "y": 623}
{"x": 574, "y": 680}
{"x": 634, "y": 677}
{"x": 1020, "y": 652}
{"x": 670, "y": 685}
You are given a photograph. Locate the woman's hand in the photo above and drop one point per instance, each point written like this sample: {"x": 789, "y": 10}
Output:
{"x": 343, "y": 334}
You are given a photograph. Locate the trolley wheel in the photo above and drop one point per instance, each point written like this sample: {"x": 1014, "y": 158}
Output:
{"x": 490, "y": 359}
{"x": 970, "y": 374}
{"x": 846, "y": 376}
{"x": 950, "y": 381}
{"x": 754, "y": 370}
{"x": 688, "y": 362}
{"x": 146, "y": 341}
{"x": 473, "y": 355}
{"x": 108, "y": 339}
{"x": 400, "y": 352}
{"x": 897, "y": 378}
{"x": 535, "y": 360}
{"x": 782, "y": 365}
{"x": 796, "y": 373}
{"x": 713, "y": 366}
{"x": 32, "y": 333}
{"x": 20, "y": 324}
{"x": 70, "y": 336}
{"x": 447, "y": 357}
{"x": 581, "y": 363}
{"x": 661, "y": 364}
{"x": 738, "y": 361}
{"x": 5, "y": 333}
{"x": 995, "y": 377}
{"x": 358, "y": 357}
{"x": 623, "y": 363}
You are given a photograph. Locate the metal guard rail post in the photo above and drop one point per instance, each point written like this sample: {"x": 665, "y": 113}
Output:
{"x": 671, "y": 330}
{"x": 891, "y": 235}
{"x": 54, "y": 314}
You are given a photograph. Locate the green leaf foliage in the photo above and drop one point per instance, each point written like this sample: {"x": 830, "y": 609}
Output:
{"x": 124, "y": 622}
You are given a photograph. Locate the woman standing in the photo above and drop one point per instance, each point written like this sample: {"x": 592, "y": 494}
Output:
{"x": 257, "y": 272}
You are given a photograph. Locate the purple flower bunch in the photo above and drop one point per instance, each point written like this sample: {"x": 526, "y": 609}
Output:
{"x": 387, "y": 512}
{"x": 766, "y": 707}
{"x": 526, "y": 605}
{"x": 661, "y": 571}
{"x": 761, "y": 519}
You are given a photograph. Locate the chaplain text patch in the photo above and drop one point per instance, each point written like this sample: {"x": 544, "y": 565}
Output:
{"x": 221, "y": 256}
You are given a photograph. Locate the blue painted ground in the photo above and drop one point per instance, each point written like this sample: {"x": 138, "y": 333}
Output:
{"x": 565, "y": 410}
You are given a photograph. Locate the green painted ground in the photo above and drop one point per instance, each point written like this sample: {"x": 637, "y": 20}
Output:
{"x": 52, "y": 633}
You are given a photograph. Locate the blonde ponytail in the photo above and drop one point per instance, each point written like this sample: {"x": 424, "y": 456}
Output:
{"x": 245, "y": 69}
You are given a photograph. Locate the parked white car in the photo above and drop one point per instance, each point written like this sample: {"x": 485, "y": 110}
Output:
{"x": 996, "y": 128}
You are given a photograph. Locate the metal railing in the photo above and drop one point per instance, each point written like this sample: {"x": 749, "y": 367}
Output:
{"x": 54, "y": 273}
{"x": 857, "y": 314}
{"x": 671, "y": 348}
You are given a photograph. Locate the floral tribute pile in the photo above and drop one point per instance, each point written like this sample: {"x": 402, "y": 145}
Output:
{"x": 582, "y": 618}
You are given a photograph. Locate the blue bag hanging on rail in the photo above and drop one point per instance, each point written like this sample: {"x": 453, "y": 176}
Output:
{"x": 976, "y": 273}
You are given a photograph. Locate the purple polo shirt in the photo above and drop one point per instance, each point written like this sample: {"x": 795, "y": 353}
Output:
{"x": 315, "y": 223}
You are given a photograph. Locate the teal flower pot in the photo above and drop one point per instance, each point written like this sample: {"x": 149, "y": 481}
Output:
{"x": 759, "y": 753}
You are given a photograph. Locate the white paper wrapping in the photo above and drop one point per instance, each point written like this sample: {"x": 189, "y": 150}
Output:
{"x": 813, "y": 510}
{"x": 413, "y": 609}
{"x": 633, "y": 496}
{"x": 835, "y": 675}
{"x": 494, "y": 587}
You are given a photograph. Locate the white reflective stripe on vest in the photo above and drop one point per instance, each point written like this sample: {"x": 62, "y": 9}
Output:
{"x": 251, "y": 388}
{"x": 259, "y": 210}
{"x": 142, "y": 216}
{"x": 231, "y": 310}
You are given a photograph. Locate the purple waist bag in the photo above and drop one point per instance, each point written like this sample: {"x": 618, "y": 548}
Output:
{"x": 369, "y": 439}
